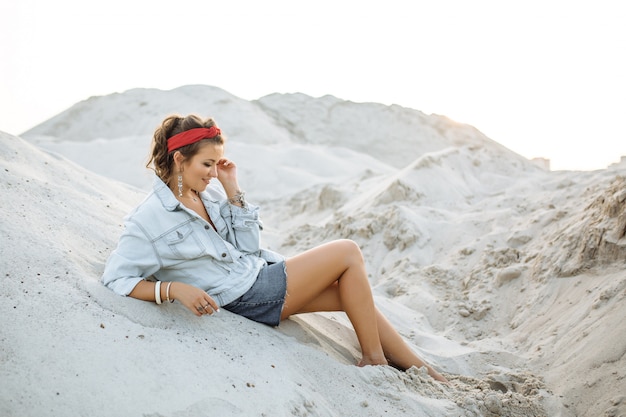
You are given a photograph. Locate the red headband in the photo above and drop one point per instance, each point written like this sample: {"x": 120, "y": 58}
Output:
{"x": 191, "y": 136}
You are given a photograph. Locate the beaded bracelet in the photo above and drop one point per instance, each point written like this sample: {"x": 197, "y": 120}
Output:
{"x": 238, "y": 198}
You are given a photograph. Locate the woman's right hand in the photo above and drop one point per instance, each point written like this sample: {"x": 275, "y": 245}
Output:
{"x": 195, "y": 299}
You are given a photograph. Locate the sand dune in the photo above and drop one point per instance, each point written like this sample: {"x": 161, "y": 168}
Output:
{"x": 508, "y": 277}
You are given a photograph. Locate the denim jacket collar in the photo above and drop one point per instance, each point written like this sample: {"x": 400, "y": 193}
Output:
{"x": 170, "y": 203}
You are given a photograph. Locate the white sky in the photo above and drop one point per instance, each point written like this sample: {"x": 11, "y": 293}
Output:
{"x": 543, "y": 77}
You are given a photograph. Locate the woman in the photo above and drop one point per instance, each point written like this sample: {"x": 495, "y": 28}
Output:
{"x": 201, "y": 248}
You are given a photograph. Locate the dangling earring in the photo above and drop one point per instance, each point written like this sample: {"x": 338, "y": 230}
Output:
{"x": 180, "y": 185}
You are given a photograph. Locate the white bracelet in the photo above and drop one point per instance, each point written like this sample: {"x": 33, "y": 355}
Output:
{"x": 157, "y": 292}
{"x": 167, "y": 292}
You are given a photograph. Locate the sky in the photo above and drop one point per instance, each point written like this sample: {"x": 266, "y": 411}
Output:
{"x": 544, "y": 78}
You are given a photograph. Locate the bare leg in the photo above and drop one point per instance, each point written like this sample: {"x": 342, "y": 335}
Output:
{"x": 396, "y": 350}
{"x": 315, "y": 285}
{"x": 339, "y": 262}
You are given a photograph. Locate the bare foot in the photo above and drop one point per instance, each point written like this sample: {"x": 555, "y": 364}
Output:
{"x": 436, "y": 375}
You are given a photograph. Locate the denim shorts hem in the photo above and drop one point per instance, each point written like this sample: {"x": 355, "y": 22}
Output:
{"x": 265, "y": 300}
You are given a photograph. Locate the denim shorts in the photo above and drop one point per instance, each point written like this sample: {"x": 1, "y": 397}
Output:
{"x": 264, "y": 302}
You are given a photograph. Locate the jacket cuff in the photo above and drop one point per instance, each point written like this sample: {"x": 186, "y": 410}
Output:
{"x": 242, "y": 217}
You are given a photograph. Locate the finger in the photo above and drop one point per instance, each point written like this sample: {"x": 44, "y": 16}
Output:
{"x": 226, "y": 162}
{"x": 210, "y": 303}
{"x": 209, "y": 307}
{"x": 199, "y": 308}
{"x": 199, "y": 311}
{"x": 203, "y": 309}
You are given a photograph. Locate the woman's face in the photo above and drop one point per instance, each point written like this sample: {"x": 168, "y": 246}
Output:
{"x": 202, "y": 167}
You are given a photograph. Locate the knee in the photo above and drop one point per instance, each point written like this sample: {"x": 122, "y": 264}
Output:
{"x": 351, "y": 250}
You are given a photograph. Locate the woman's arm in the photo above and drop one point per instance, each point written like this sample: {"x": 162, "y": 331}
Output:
{"x": 195, "y": 299}
{"x": 244, "y": 226}
{"x": 242, "y": 218}
{"x": 227, "y": 175}
{"x": 133, "y": 260}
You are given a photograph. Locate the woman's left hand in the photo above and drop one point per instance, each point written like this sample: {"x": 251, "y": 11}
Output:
{"x": 227, "y": 172}
{"x": 195, "y": 299}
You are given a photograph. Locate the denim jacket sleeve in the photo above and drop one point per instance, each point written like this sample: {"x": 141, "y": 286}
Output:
{"x": 244, "y": 226}
{"x": 133, "y": 260}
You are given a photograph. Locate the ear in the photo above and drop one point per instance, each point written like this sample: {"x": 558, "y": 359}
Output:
{"x": 178, "y": 160}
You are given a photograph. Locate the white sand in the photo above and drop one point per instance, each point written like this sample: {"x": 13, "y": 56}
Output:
{"x": 508, "y": 278}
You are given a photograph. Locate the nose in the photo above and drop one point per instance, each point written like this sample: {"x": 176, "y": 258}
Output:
{"x": 213, "y": 171}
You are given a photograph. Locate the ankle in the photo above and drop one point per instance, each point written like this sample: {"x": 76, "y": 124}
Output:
{"x": 373, "y": 360}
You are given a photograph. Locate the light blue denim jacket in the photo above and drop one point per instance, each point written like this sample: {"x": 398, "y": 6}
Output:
{"x": 166, "y": 240}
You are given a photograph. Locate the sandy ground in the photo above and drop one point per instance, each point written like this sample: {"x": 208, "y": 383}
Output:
{"x": 508, "y": 278}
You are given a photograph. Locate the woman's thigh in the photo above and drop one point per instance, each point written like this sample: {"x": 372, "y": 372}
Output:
{"x": 314, "y": 274}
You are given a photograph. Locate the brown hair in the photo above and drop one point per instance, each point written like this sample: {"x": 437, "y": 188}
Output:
{"x": 162, "y": 161}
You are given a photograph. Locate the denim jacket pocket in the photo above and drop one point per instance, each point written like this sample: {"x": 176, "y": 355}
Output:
{"x": 184, "y": 243}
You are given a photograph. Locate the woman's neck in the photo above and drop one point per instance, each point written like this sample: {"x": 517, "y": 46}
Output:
{"x": 189, "y": 194}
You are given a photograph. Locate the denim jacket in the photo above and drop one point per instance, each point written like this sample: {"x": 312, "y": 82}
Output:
{"x": 165, "y": 240}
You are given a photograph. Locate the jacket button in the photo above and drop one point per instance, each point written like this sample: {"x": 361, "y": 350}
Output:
{"x": 223, "y": 255}
{"x": 206, "y": 226}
